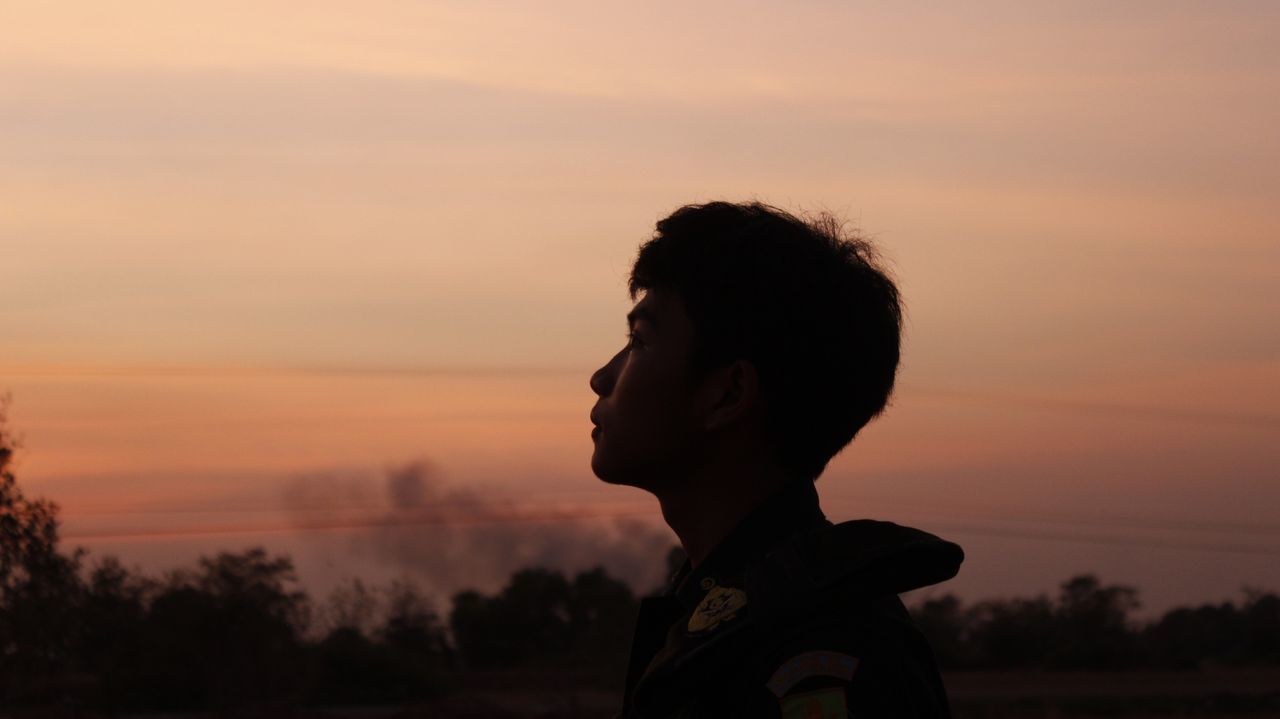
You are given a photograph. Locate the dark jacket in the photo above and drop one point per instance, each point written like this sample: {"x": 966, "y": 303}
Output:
{"x": 793, "y": 616}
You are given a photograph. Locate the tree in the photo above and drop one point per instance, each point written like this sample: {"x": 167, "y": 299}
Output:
{"x": 113, "y": 615}
{"x": 352, "y": 606}
{"x": 946, "y": 624}
{"x": 1194, "y": 637}
{"x": 1092, "y": 625}
{"x": 28, "y": 530}
{"x": 529, "y": 618}
{"x": 1187, "y": 637}
{"x": 257, "y": 584}
{"x": 602, "y": 616}
{"x": 540, "y": 616}
{"x": 414, "y": 636}
{"x": 228, "y": 633}
{"x": 412, "y": 625}
{"x": 39, "y": 587}
{"x": 1261, "y": 613}
{"x": 1011, "y": 633}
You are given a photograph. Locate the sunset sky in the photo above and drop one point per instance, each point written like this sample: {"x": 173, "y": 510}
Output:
{"x": 259, "y": 256}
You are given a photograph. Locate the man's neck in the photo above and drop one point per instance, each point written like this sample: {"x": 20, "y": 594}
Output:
{"x": 704, "y": 510}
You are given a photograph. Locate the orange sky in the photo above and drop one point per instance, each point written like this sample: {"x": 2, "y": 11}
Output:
{"x": 206, "y": 209}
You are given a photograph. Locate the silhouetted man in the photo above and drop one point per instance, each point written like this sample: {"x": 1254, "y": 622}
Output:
{"x": 760, "y": 347}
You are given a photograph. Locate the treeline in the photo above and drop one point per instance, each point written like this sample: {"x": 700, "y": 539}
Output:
{"x": 1089, "y": 626}
{"x": 235, "y": 632}
{"x": 231, "y": 632}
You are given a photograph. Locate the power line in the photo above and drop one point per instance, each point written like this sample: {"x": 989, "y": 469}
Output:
{"x": 962, "y": 528}
{"x": 409, "y": 520}
{"x": 989, "y": 512}
{"x": 390, "y": 522}
{"x": 947, "y": 512}
{"x": 1130, "y": 411}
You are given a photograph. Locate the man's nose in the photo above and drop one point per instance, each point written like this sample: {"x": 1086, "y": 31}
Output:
{"x": 602, "y": 379}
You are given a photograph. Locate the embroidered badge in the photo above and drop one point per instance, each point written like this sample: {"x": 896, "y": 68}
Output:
{"x": 811, "y": 664}
{"x": 820, "y": 704}
{"x": 719, "y": 605}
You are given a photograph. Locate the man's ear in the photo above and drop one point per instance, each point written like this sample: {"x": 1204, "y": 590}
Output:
{"x": 728, "y": 393}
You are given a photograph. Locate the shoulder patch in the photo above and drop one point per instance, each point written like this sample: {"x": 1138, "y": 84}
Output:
{"x": 820, "y": 704}
{"x": 812, "y": 664}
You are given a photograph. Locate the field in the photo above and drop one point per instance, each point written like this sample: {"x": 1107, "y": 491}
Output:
{"x": 974, "y": 695}
{"x": 1208, "y": 694}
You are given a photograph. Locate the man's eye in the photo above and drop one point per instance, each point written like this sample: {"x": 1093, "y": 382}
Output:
{"x": 633, "y": 340}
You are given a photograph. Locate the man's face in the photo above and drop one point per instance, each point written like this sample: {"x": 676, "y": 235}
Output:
{"x": 645, "y": 430}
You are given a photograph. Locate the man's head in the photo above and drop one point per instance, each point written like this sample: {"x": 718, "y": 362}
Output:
{"x": 752, "y": 321}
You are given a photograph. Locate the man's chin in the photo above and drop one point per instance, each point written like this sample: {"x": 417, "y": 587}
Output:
{"x": 608, "y": 477}
{"x": 611, "y": 475}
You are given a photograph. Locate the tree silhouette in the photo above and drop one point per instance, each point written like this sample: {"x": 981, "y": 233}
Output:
{"x": 1011, "y": 633}
{"x": 401, "y": 654}
{"x": 1092, "y": 625}
{"x": 113, "y": 625}
{"x": 412, "y": 625}
{"x": 1186, "y": 636}
{"x": 1217, "y": 634}
{"x": 351, "y": 605}
{"x": 40, "y": 588}
{"x": 528, "y": 618}
{"x": 1262, "y": 627}
{"x": 1086, "y": 628}
{"x": 540, "y": 616}
{"x": 226, "y": 634}
{"x": 946, "y": 624}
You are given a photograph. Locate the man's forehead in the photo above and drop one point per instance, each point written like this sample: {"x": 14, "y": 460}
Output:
{"x": 651, "y": 308}
{"x": 642, "y": 311}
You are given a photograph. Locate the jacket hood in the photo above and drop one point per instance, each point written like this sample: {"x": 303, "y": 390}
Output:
{"x": 857, "y": 560}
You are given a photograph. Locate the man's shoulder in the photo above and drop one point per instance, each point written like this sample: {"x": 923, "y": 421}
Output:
{"x": 830, "y": 628}
{"x": 879, "y": 627}
{"x": 867, "y": 657}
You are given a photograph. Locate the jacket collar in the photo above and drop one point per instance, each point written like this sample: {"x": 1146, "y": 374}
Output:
{"x": 792, "y": 508}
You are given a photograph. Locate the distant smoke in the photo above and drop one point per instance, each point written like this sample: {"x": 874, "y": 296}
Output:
{"x": 457, "y": 538}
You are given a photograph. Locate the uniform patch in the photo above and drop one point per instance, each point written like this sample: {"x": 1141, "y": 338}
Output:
{"x": 812, "y": 664}
{"x": 820, "y": 704}
{"x": 719, "y": 605}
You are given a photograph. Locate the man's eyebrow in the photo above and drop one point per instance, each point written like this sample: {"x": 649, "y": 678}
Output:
{"x": 641, "y": 313}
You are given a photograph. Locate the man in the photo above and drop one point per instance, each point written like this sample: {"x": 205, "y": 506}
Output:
{"x": 760, "y": 347}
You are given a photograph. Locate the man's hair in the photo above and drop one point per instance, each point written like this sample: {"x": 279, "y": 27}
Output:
{"x": 804, "y": 301}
